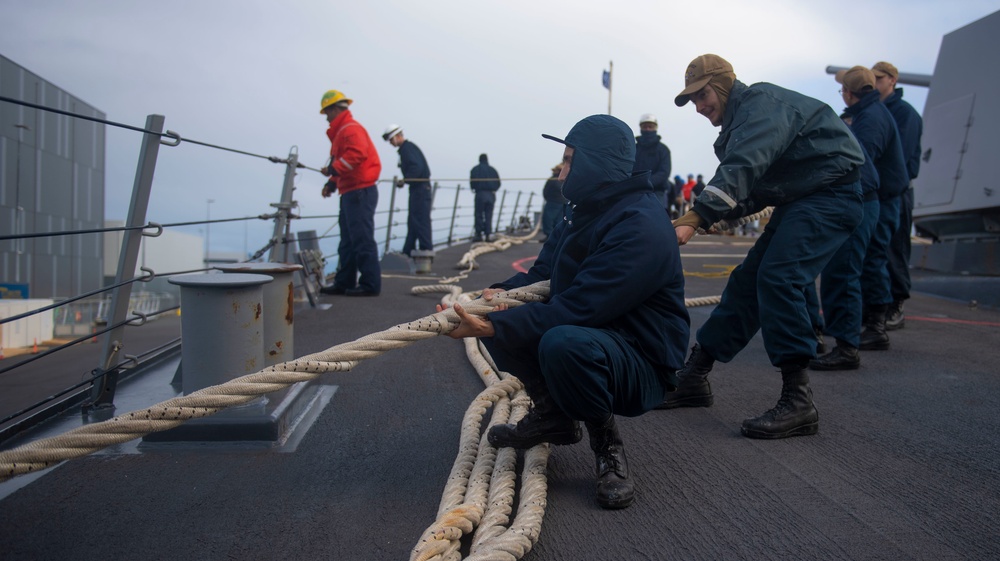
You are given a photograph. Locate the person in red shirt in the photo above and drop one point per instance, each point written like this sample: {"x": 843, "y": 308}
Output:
{"x": 686, "y": 192}
{"x": 354, "y": 169}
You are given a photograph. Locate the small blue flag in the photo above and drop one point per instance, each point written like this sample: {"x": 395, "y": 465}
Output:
{"x": 606, "y": 79}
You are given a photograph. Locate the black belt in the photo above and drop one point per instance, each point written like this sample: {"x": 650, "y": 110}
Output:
{"x": 849, "y": 177}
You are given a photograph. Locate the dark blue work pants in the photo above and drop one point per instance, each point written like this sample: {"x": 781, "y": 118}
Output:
{"x": 840, "y": 282}
{"x": 875, "y": 284}
{"x": 899, "y": 249}
{"x": 590, "y": 373}
{"x": 766, "y": 292}
{"x": 484, "y": 212}
{"x": 418, "y": 223}
{"x": 357, "y": 251}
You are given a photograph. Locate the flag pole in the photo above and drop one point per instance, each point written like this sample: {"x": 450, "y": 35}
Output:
{"x": 611, "y": 71}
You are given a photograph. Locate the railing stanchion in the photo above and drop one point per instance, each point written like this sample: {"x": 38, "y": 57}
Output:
{"x": 392, "y": 208}
{"x": 103, "y": 391}
{"x": 499, "y": 211}
{"x": 454, "y": 214}
{"x": 279, "y": 252}
{"x": 513, "y": 215}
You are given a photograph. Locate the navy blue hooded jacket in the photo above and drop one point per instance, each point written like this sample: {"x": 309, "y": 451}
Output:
{"x": 615, "y": 264}
{"x": 413, "y": 164}
{"x": 484, "y": 171}
{"x": 653, "y": 155}
{"x": 875, "y": 130}
{"x": 910, "y": 126}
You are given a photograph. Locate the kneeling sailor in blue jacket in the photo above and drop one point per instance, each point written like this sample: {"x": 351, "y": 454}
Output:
{"x": 614, "y": 329}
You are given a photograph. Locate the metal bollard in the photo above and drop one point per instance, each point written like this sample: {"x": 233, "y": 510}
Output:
{"x": 221, "y": 327}
{"x": 279, "y": 303}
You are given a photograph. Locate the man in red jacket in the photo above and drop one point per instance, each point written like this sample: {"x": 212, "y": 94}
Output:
{"x": 354, "y": 169}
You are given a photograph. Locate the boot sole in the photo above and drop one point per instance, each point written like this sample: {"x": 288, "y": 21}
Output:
{"x": 896, "y": 327}
{"x": 875, "y": 347}
{"x": 829, "y": 367}
{"x": 559, "y": 440}
{"x": 697, "y": 401}
{"x": 617, "y": 504}
{"x": 803, "y": 430}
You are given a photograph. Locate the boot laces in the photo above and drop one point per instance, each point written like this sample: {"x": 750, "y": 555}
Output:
{"x": 783, "y": 406}
{"x": 609, "y": 461}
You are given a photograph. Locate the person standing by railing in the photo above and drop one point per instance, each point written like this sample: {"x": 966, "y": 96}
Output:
{"x": 354, "y": 168}
{"x": 485, "y": 181}
{"x": 417, "y": 173}
{"x": 653, "y": 155}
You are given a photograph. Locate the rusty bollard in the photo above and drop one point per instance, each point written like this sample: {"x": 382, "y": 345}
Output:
{"x": 222, "y": 327}
{"x": 279, "y": 305}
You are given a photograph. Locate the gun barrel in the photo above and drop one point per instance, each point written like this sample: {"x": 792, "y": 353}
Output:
{"x": 908, "y": 78}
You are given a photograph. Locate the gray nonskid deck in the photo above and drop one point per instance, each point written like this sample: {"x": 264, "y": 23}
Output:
{"x": 905, "y": 465}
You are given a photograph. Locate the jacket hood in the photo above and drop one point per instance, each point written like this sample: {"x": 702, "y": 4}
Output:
{"x": 603, "y": 154}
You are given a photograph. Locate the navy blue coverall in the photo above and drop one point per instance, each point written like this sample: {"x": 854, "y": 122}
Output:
{"x": 417, "y": 174}
{"x": 485, "y": 181}
{"x": 911, "y": 127}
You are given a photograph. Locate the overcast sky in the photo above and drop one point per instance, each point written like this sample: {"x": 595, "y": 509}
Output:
{"x": 462, "y": 77}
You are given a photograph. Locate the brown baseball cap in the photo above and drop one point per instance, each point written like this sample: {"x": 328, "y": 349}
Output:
{"x": 699, "y": 73}
{"x": 856, "y": 78}
{"x": 883, "y": 68}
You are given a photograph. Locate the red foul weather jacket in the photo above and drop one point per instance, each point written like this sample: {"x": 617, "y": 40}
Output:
{"x": 352, "y": 154}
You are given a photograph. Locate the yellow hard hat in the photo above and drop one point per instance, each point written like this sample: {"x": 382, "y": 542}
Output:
{"x": 331, "y": 97}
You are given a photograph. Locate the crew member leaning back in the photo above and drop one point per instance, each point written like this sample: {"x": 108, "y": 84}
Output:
{"x": 776, "y": 148}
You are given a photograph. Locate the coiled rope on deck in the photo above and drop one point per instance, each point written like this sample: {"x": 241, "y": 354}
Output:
{"x": 502, "y": 243}
{"x": 479, "y": 496}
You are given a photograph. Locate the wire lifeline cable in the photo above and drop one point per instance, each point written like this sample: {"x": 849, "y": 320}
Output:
{"x": 463, "y": 507}
{"x": 168, "y": 134}
{"x": 208, "y": 401}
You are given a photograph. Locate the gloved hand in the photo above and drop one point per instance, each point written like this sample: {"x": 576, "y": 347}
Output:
{"x": 690, "y": 218}
{"x": 686, "y": 226}
{"x": 329, "y": 189}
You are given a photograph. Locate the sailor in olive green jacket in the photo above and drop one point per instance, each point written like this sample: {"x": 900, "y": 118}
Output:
{"x": 776, "y": 148}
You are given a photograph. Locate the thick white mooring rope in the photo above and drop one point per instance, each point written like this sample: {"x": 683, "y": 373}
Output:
{"x": 479, "y": 496}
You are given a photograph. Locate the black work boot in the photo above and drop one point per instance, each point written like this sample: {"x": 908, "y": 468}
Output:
{"x": 545, "y": 422}
{"x": 874, "y": 337}
{"x": 842, "y": 357}
{"x": 614, "y": 488}
{"x": 894, "y": 318}
{"x": 693, "y": 389}
{"x": 794, "y": 415}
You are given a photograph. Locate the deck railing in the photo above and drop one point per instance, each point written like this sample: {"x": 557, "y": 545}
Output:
{"x": 102, "y": 316}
